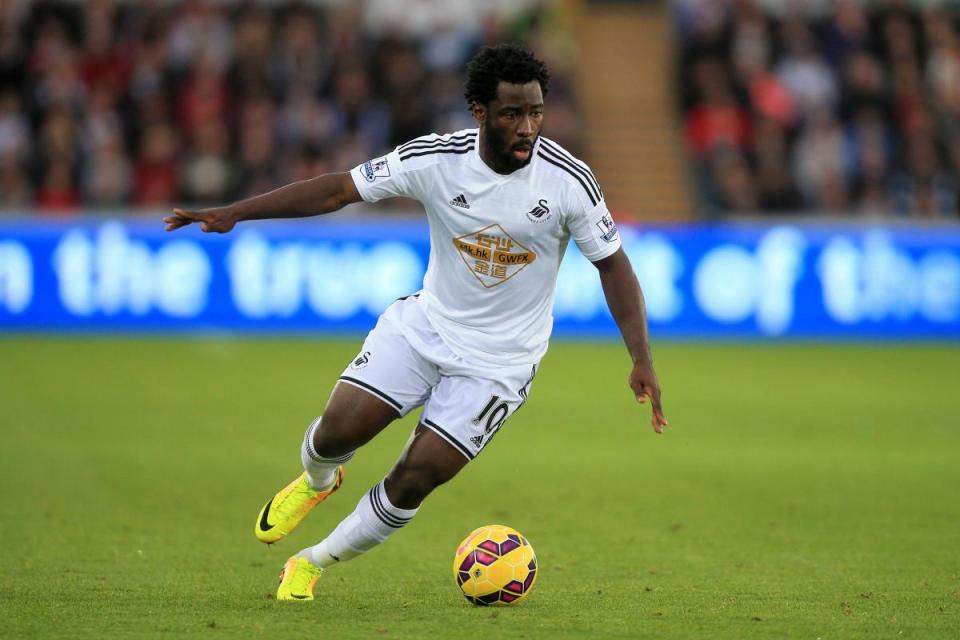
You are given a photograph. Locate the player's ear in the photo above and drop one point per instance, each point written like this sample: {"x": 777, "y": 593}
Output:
{"x": 479, "y": 112}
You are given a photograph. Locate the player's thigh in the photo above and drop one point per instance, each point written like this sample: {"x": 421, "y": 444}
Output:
{"x": 469, "y": 411}
{"x": 386, "y": 380}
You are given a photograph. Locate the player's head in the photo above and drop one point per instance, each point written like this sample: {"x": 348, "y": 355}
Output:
{"x": 505, "y": 89}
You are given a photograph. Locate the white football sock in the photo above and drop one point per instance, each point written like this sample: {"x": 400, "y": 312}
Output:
{"x": 320, "y": 471}
{"x": 372, "y": 522}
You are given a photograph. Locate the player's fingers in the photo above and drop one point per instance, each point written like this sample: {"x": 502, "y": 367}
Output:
{"x": 655, "y": 400}
{"x": 659, "y": 420}
{"x": 184, "y": 213}
{"x": 180, "y": 218}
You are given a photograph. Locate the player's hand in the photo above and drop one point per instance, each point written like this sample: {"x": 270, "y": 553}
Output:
{"x": 643, "y": 382}
{"x": 215, "y": 220}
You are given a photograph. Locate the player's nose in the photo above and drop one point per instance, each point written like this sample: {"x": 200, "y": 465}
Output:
{"x": 525, "y": 128}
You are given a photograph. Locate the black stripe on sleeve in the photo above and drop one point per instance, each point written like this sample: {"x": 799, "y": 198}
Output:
{"x": 572, "y": 167}
{"x": 440, "y": 150}
{"x": 380, "y": 394}
{"x": 449, "y": 438}
{"x": 423, "y": 143}
{"x": 581, "y": 168}
{"x": 421, "y": 140}
{"x": 570, "y": 171}
{"x": 446, "y": 145}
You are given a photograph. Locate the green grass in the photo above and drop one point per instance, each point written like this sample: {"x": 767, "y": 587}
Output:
{"x": 802, "y": 491}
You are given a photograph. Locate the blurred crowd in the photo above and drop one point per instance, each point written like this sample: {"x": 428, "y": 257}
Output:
{"x": 107, "y": 105}
{"x": 822, "y": 107}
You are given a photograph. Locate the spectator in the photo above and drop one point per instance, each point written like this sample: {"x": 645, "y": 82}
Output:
{"x": 362, "y": 117}
{"x": 209, "y": 174}
{"x": 257, "y": 146}
{"x": 15, "y": 189}
{"x": 102, "y": 124}
{"x": 58, "y": 193}
{"x": 250, "y": 71}
{"x": 199, "y": 31}
{"x": 102, "y": 65}
{"x": 59, "y": 138}
{"x": 864, "y": 85}
{"x": 803, "y": 71}
{"x": 735, "y": 184}
{"x": 718, "y": 120}
{"x": 107, "y": 176}
{"x": 847, "y": 34}
{"x": 14, "y": 130}
{"x": 204, "y": 96}
{"x": 776, "y": 190}
{"x": 54, "y": 63}
{"x": 13, "y": 54}
{"x": 305, "y": 120}
{"x": 924, "y": 189}
{"x": 300, "y": 61}
{"x": 818, "y": 162}
{"x": 155, "y": 174}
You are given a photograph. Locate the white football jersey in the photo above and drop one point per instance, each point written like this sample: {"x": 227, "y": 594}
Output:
{"x": 496, "y": 241}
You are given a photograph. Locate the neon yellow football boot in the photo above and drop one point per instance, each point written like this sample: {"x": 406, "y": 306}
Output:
{"x": 297, "y": 579}
{"x": 284, "y": 511}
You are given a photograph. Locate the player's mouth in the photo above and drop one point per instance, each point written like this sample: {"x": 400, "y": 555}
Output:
{"x": 522, "y": 151}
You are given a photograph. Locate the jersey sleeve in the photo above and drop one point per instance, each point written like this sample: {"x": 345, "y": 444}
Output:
{"x": 593, "y": 229}
{"x": 384, "y": 177}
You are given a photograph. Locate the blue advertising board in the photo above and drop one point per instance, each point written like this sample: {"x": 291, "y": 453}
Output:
{"x": 735, "y": 280}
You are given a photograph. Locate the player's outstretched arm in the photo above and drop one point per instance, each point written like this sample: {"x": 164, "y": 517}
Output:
{"x": 625, "y": 299}
{"x": 315, "y": 196}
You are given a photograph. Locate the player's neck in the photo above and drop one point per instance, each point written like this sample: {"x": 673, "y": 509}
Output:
{"x": 496, "y": 162}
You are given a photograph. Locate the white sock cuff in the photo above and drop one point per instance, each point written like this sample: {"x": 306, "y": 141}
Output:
{"x": 386, "y": 513}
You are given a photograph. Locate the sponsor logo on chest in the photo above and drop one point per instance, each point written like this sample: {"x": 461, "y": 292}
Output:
{"x": 492, "y": 255}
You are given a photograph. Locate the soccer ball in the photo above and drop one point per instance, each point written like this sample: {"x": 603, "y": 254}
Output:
{"x": 495, "y": 565}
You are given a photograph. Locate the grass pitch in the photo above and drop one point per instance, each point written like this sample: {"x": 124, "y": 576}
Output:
{"x": 802, "y": 491}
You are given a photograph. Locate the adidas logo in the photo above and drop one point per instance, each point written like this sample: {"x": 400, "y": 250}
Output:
{"x": 460, "y": 201}
{"x": 476, "y": 440}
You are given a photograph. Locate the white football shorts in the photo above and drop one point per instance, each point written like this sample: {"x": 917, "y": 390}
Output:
{"x": 406, "y": 364}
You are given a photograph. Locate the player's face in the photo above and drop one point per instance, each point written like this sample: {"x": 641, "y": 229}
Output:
{"x": 511, "y": 123}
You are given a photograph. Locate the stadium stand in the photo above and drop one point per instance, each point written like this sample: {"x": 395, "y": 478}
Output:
{"x": 832, "y": 108}
{"x": 115, "y": 106}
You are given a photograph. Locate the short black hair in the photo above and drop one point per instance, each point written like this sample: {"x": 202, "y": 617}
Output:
{"x": 509, "y": 63}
